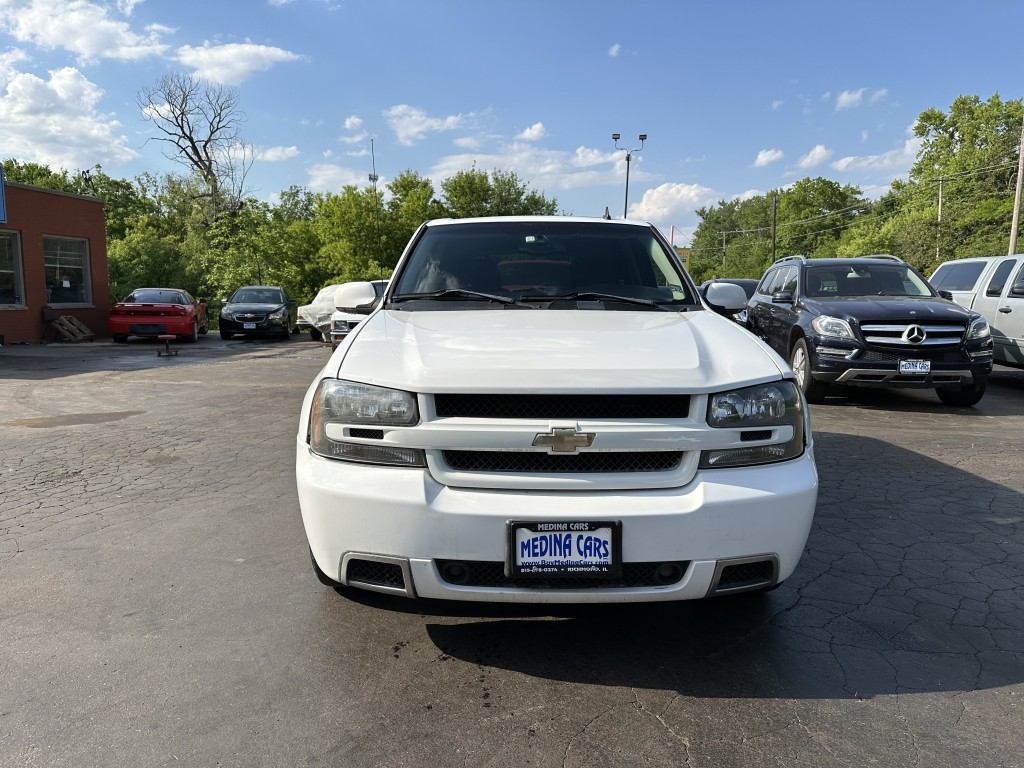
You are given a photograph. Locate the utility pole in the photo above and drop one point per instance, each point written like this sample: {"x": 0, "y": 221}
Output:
{"x": 1016, "y": 196}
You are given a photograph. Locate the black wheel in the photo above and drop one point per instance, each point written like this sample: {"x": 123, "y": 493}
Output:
{"x": 800, "y": 361}
{"x": 225, "y": 334}
{"x": 315, "y": 334}
{"x": 205, "y": 327}
{"x": 322, "y": 577}
{"x": 119, "y": 338}
{"x": 193, "y": 337}
{"x": 965, "y": 396}
{"x": 286, "y": 333}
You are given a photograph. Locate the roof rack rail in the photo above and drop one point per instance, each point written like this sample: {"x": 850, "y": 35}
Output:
{"x": 884, "y": 257}
{"x": 790, "y": 258}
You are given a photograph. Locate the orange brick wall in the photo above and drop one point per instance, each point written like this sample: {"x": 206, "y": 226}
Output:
{"x": 36, "y": 213}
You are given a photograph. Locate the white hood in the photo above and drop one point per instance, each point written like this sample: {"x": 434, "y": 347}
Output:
{"x": 553, "y": 351}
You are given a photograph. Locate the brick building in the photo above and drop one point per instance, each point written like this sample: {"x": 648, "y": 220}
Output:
{"x": 53, "y": 261}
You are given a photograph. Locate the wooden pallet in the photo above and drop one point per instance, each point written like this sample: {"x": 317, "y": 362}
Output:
{"x": 72, "y": 329}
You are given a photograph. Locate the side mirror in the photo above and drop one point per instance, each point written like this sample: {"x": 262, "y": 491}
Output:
{"x": 947, "y": 295}
{"x": 356, "y": 298}
{"x": 1017, "y": 289}
{"x": 725, "y": 298}
{"x": 782, "y": 297}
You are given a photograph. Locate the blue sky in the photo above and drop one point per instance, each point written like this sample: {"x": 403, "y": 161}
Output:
{"x": 736, "y": 98}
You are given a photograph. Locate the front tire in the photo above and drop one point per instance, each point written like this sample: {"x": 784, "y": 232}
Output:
{"x": 119, "y": 338}
{"x": 315, "y": 334}
{"x": 965, "y": 396}
{"x": 226, "y": 334}
{"x": 800, "y": 362}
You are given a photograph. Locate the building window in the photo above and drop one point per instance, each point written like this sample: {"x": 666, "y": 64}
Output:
{"x": 66, "y": 262}
{"x": 11, "y": 287}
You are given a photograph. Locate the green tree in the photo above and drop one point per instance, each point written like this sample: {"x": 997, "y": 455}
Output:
{"x": 968, "y": 157}
{"x": 502, "y": 193}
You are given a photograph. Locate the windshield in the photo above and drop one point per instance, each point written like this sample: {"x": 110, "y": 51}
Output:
{"x": 156, "y": 296}
{"x": 884, "y": 279}
{"x": 257, "y": 296}
{"x": 543, "y": 261}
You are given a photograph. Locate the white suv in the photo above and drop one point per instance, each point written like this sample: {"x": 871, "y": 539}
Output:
{"x": 543, "y": 409}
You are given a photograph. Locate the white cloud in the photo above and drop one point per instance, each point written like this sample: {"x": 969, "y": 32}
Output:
{"x": 412, "y": 124}
{"x": 748, "y": 195}
{"x": 232, "y": 63}
{"x": 55, "y": 122}
{"x": 533, "y": 133}
{"x": 81, "y": 27}
{"x": 672, "y": 201}
{"x": 816, "y": 156}
{"x": 127, "y": 7}
{"x": 776, "y": 104}
{"x": 852, "y": 99}
{"x": 615, "y": 50}
{"x": 767, "y": 157}
{"x": 353, "y": 123}
{"x": 849, "y": 99}
{"x": 327, "y": 177}
{"x": 277, "y": 154}
{"x": 467, "y": 142}
{"x": 896, "y": 162}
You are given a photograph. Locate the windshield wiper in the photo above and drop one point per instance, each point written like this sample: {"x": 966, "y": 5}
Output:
{"x": 597, "y": 296}
{"x": 454, "y": 293}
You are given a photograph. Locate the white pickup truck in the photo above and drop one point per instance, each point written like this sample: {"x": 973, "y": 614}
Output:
{"x": 994, "y": 287}
{"x": 543, "y": 409}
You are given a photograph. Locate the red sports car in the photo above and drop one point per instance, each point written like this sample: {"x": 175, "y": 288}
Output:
{"x": 159, "y": 311}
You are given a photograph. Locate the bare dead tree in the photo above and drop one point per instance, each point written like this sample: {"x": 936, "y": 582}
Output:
{"x": 202, "y": 122}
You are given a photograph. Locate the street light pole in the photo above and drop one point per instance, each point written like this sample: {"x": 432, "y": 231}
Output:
{"x": 629, "y": 157}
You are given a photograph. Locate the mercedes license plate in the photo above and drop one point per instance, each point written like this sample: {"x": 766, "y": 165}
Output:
{"x": 915, "y": 366}
{"x": 573, "y": 549}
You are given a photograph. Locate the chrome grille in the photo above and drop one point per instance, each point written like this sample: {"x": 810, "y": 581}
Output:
{"x": 579, "y": 463}
{"x": 510, "y": 406}
{"x": 891, "y": 335}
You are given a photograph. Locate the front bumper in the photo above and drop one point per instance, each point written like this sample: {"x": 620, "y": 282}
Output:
{"x": 834, "y": 363}
{"x": 264, "y": 327}
{"x": 404, "y": 520}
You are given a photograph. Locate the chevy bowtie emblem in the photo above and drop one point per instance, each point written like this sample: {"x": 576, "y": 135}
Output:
{"x": 564, "y": 440}
{"x": 914, "y": 334}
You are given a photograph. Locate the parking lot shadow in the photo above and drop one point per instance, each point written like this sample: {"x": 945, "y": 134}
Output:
{"x": 913, "y": 581}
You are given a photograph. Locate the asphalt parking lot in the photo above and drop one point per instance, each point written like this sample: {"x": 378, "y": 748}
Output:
{"x": 157, "y": 605}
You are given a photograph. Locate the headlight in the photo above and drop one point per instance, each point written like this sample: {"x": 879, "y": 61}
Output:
{"x": 342, "y": 407}
{"x": 978, "y": 329}
{"x": 279, "y": 314}
{"x": 227, "y": 315}
{"x": 770, "y": 415}
{"x": 832, "y": 326}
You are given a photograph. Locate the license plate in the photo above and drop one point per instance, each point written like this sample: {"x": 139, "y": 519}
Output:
{"x": 565, "y": 549}
{"x": 248, "y": 326}
{"x": 915, "y": 366}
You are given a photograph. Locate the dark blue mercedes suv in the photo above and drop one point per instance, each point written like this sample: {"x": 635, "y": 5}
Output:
{"x": 872, "y": 321}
